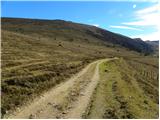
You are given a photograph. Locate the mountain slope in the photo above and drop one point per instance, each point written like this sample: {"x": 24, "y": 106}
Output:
{"x": 71, "y": 31}
{"x": 155, "y": 44}
{"x": 34, "y": 61}
{"x": 38, "y": 55}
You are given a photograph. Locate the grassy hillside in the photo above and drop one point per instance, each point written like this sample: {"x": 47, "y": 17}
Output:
{"x": 39, "y": 54}
{"x": 73, "y": 31}
{"x": 31, "y": 65}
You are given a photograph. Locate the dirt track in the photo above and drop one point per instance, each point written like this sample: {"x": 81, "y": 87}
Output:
{"x": 67, "y": 100}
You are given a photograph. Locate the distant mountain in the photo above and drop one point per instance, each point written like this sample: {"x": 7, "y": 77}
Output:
{"x": 153, "y": 43}
{"x": 74, "y": 31}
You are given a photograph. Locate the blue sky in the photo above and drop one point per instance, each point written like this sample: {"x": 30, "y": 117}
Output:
{"x": 128, "y": 17}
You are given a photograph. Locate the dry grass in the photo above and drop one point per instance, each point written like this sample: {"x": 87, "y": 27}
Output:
{"x": 35, "y": 59}
{"x": 124, "y": 92}
{"x": 31, "y": 65}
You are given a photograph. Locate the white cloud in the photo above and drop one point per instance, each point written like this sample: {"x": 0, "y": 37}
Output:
{"x": 97, "y": 25}
{"x": 134, "y": 6}
{"x": 151, "y": 36}
{"x": 125, "y": 27}
{"x": 148, "y": 10}
{"x": 148, "y": 17}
